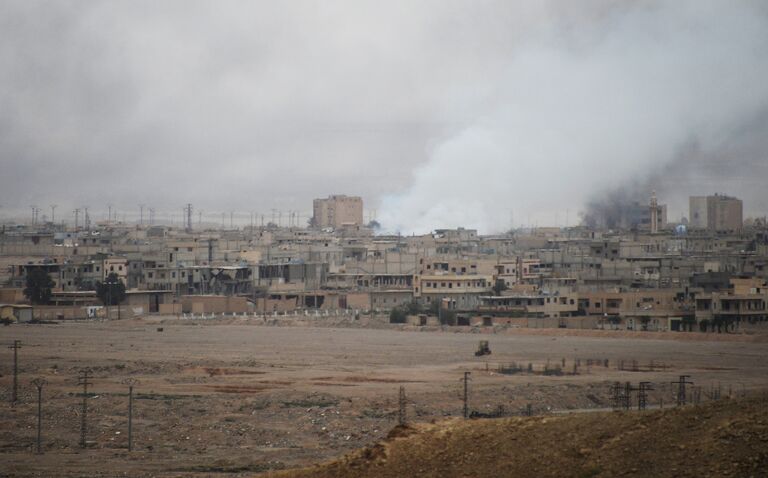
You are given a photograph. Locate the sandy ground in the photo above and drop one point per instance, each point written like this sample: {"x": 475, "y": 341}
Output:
{"x": 712, "y": 439}
{"x": 234, "y": 397}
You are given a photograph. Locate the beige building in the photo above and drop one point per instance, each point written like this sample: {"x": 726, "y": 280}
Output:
{"x": 457, "y": 292}
{"x": 530, "y": 304}
{"x": 716, "y": 213}
{"x": 337, "y": 211}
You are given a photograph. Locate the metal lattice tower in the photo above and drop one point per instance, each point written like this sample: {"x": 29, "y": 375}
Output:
{"x": 642, "y": 395}
{"x": 627, "y": 396}
{"x": 616, "y": 395}
{"x": 681, "y": 383}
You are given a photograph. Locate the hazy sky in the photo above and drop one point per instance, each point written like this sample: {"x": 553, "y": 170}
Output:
{"x": 438, "y": 113}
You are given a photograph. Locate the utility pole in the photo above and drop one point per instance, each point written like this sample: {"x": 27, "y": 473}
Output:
{"x": 109, "y": 296}
{"x": 681, "y": 383}
{"x": 642, "y": 395}
{"x": 76, "y": 212}
{"x": 141, "y": 214}
{"x": 14, "y": 393}
{"x": 401, "y": 416}
{"x": 628, "y": 389}
{"x": 84, "y": 379}
{"x": 87, "y": 219}
{"x": 39, "y": 382}
{"x": 188, "y": 212}
{"x": 130, "y": 382}
{"x": 53, "y": 211}
{"x": 151, "y": 216}
{"x": 618, "y": 395}
{"x": 466, "y": 393}
{"x": 109, "y": 214}
{"x": 231, "y": 219}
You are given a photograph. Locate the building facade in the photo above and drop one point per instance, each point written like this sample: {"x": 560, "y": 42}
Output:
{"x": 337, "y": 211}
{"x": 716, "y": 213}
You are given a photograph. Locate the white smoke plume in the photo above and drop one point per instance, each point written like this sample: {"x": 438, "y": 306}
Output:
{"x": 587, "y": 105}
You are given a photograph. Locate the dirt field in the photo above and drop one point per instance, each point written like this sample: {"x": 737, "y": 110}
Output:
{"x": 230, "y": 398}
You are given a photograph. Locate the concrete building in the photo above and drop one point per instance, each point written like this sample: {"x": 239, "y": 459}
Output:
{"x": 15, "y": 313}
{"x": 457, "y": 292}
{"x": 537, "y": 304}
{"x": 697, "y": 212}
{"x": 337, "y": 211}
{"x": 716, "y": 213}
{"x": 638, "y": 309}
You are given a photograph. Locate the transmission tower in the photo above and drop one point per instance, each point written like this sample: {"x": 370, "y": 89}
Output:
{"x": 681, "y": 383}
{"x": 642, "y": 395}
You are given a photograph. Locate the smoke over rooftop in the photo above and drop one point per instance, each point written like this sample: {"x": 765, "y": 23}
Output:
{"x": 439, "y": 113}
{"x": 595, "y": 112}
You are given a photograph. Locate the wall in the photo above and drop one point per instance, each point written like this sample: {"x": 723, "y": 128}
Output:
{"x": 214, "y": 304}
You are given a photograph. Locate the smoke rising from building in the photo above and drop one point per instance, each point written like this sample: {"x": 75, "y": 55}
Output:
{"x": 597, "y": 112}
{"x": 438, "y": 113}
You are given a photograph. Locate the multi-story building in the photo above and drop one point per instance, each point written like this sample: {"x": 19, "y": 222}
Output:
{"x": 530, "y": 304}
{"x": 716, "y": 213}
{"x": 457, "y": 292}
{"x": 337, "y": 211}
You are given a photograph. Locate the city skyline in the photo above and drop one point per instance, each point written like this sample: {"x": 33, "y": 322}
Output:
{"x": 450, "y": 115}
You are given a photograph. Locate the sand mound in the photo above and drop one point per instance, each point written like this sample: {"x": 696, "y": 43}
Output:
{"x": 725, "y": 438}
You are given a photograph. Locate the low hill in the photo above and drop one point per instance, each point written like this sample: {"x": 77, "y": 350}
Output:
{"x": 724, "y": 438}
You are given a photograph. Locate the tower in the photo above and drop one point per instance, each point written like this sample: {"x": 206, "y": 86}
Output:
{"x": 654, "y": 213}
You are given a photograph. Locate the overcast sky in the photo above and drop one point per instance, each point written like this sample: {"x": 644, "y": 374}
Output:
{"x": 438, "y": 113}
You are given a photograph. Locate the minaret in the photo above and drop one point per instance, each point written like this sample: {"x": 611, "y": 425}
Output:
{"x": 654, "y": 213}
